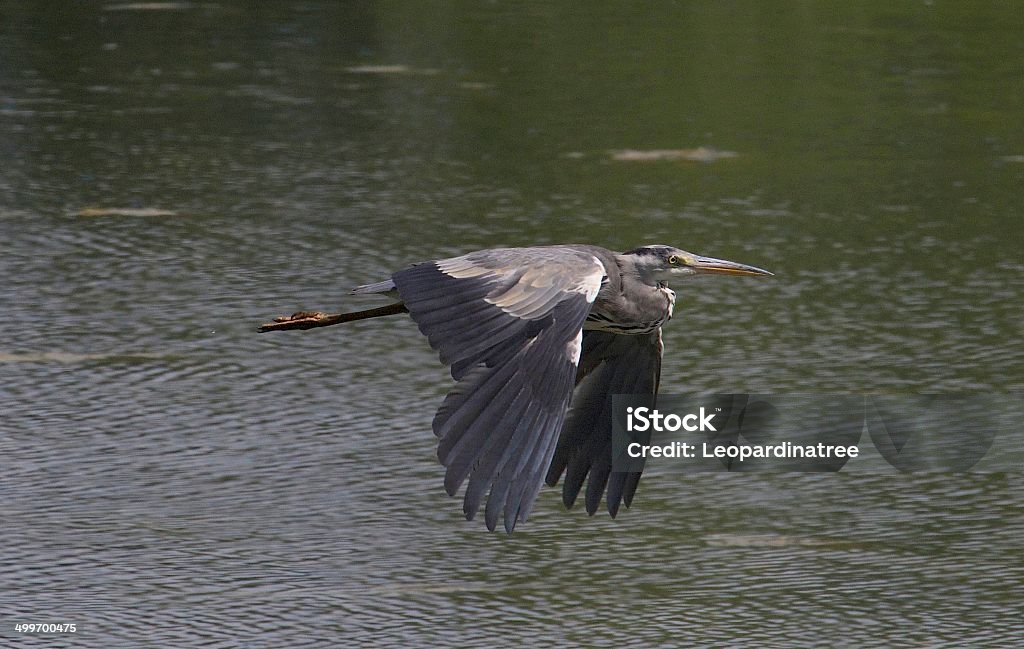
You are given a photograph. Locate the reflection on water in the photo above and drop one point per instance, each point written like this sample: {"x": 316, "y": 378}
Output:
{"x": 175, "y": 175}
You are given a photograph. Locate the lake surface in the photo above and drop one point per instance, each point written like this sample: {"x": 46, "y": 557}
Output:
{"x": 176, "y": 174}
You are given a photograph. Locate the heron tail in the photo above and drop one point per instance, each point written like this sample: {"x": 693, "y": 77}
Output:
{"x": 379, "y": 287}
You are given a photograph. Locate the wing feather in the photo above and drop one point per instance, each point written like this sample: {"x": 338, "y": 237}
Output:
{"x": 499, "y": 500}
{"x": 507, "y": 323}
{"x": 495, "y": 453}
{"x": 610, "y": 364}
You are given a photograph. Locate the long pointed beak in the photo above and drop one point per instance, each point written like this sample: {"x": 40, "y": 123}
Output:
{"x": 710, "y": 265}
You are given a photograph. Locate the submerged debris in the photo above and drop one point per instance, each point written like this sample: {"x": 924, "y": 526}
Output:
{"x": 125, "y": 211}
{"x": 767, "y": 541}
{"x": 700, "y": 154}
{"x": 389, "y": 69}
{"x": 148, "y": 6}
{"x": 71, "y": 357}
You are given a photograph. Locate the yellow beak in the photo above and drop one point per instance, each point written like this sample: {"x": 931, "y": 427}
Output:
{"x": 710, "y": 265}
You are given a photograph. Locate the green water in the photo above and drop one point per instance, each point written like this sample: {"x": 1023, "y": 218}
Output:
{"x": 170, "y": 478}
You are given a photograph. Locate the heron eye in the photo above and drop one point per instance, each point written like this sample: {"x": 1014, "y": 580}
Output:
{"x": 673, "y": 260}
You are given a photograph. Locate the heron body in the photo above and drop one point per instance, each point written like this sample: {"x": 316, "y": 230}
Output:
{"x": 538, "y": 340}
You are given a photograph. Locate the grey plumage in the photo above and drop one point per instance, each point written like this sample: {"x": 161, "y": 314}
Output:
{"x": 520, "y": 329}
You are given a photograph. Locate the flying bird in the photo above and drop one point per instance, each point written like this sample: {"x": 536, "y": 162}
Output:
{"x": 538, "y": 340}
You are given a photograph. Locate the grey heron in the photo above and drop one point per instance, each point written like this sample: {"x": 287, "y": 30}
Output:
{"x": 538, "y": 340}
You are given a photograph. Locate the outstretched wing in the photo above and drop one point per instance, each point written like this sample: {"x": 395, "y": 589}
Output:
{"x": 610, "y": 364}
{"x": 509, "y": 323}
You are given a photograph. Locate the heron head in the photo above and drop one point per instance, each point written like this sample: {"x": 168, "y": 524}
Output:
{"x": 658, "y": 263}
